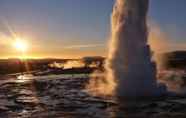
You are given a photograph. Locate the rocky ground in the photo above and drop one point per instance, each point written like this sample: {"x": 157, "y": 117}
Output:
{"x": 65, "y": 97}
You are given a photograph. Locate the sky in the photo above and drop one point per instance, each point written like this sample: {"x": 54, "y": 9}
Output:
{"x": 77, "y": 28}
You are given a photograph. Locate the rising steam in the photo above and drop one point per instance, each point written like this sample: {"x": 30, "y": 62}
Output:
{"x": 159, "y": 43}
{"x": 101, "y": 85}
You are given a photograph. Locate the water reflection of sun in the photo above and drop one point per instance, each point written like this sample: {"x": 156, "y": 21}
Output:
{"x": 24, "y": 78}
{"x": 27, "y": 94}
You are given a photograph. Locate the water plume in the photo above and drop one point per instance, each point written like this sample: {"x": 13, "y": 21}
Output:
{"x": 129, "y": 62}
{"x": 130, "y": 70}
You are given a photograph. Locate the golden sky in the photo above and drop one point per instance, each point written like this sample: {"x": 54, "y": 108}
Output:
{"x": 63, "y": 29}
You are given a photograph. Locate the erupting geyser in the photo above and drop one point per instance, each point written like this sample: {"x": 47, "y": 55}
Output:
{"x": 129, "y": 60}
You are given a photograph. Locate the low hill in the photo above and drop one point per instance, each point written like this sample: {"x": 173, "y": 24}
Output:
{"x": 176, "y": 59}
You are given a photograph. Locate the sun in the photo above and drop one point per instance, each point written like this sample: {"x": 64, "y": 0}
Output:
{"x": 20, "y": 45}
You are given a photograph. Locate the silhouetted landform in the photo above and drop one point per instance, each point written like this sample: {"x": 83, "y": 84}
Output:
{"x": 175, "y": 60}
{"x": 47, "y": 66}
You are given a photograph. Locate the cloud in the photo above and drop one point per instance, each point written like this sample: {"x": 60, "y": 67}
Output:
{"x": 84, "y": 46}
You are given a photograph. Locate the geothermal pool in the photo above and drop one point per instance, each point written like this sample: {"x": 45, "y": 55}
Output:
{"x": 65, "y": 96}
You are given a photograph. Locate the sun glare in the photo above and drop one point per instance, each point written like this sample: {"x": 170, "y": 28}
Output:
{"x": 21, "y": 45}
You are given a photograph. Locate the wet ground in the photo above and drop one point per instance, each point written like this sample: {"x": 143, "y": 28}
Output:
{"x": 65, "y": 97}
